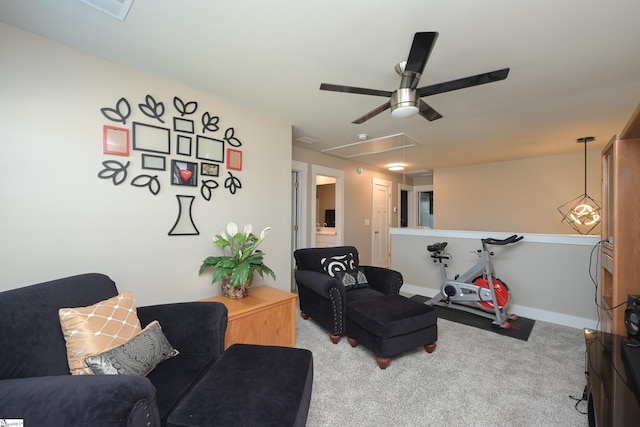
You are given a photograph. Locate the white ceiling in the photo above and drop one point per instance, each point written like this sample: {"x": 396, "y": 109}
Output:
{"x": 575, "y": 65}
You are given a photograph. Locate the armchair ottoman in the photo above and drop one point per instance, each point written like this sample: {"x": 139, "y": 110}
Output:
{"x": 362, "y": 302}
{"x": 324, "y": 297}
{"x": 391, "y": 325}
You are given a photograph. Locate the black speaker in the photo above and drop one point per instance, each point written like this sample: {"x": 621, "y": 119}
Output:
{"x": 632, "y": 316}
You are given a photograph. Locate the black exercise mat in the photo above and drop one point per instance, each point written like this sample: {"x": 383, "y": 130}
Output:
{"x": 520, "y": 329}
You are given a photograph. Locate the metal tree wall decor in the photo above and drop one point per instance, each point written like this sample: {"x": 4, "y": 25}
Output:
{"x": 158, "y": 142}
{"x": 582, "y": 213}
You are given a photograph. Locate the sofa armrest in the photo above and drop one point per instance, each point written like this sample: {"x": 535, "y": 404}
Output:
{"x": 191, "y": 327}
{"x": 85, "y": 400}
{"x": 320, "y": 283}
{"x": 382, "y": 279}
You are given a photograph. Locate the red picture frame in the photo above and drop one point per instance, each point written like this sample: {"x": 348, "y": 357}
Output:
{"x": 234, "y": 159}
{"x": 115, "y": 140}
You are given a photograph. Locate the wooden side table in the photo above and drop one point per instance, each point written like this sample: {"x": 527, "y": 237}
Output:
{"x": 266, "y": 317}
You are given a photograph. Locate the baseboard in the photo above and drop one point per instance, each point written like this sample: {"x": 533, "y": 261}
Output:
{"x": 531, "y": 313}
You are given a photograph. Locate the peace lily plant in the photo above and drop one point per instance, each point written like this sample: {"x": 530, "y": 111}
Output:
{"x": 240, "y": 259}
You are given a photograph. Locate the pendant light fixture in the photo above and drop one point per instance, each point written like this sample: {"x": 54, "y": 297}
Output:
{"x": 582, "y": 213}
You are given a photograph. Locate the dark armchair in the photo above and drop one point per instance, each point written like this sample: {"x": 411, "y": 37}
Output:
{"x": 324, "y": 297}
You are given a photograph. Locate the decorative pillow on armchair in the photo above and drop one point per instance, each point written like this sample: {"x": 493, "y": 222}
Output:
{"x": 138, "y": 356}
{"x": 353, "y": 279}
{"x": 337, "y": 263}
{"x": 93, "y": 329}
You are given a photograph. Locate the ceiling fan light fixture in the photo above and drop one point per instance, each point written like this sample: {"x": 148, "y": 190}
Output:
{"x": 404, "y": 103}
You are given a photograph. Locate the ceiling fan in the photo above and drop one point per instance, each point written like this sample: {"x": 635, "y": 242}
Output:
{"x": 405, "y": 101}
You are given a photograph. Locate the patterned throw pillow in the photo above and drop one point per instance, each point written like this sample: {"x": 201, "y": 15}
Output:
{"x": 353, "y": 279}
{"x": 138, "y": 356}
{"x": 338, "y": 263}
{"x": 96, "y": 328}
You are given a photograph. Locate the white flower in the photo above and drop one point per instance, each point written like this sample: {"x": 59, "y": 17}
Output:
{"x": 232, "y": 229}
{"x": 264, "y": 233}
{"x": 248, "y": 229}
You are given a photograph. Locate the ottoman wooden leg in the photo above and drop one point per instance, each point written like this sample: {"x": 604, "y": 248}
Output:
{"x": 430, "y": 347}
{"x": 383, "y": 362}
{"x": 352, "y": 341}
{"x": 334, "y": 338}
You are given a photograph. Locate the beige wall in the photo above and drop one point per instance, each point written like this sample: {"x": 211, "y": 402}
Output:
{"x": 358, "y": 197}
{"x": 58, "y": 218}
{"x": 518, "y": 196}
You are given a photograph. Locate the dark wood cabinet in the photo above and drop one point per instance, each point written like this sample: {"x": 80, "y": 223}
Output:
{"x": 611, "y": 401}
{"x": 620, "y": 249}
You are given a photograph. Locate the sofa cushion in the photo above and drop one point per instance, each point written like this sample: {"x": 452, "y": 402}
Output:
{"x": 174, "y": 377}
{"x": 353, "y": 279}
{"x": 334, "y": 264}
{"x": 98, "y": 327}
{"x": 138, "y": 356}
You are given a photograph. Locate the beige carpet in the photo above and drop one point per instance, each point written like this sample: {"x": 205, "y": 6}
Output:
{"x": 474, "y": 378}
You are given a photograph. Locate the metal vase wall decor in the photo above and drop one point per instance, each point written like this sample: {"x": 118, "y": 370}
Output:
{"x": 174, "y": 148}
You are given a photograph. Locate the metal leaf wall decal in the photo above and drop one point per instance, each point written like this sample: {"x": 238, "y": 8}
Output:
{"x": 120, "y": 113}
{"x": 147, "y": 181}
{"x": 184, "y": 108}
{"x": 229, "y": 136}
{"x": 114, "y": 170}
{"x": 209, "y": 122}
{"x": 152, "y": 109}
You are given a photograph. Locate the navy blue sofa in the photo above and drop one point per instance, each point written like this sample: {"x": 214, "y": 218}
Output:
{"x": 204, "y": 385}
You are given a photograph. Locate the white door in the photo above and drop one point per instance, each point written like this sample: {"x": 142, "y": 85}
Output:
{"x": 381, "y": 223}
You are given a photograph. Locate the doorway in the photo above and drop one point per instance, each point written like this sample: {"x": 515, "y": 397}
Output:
{"x": 336, "y": 213}
{"x": 425, "y": 202}
{"x": 380, "y": 246}
{"x": 424, "y": 198}
{"x": 299, "y": 173}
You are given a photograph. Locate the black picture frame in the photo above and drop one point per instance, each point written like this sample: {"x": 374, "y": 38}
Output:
{"x": 210, "y": 149}
{"x": 183, "y": 145}
{"x": 184, "y": 173}
{"x": 183, "y": 125}
{"x": 151, "y": 138}
{"x": 149, "y": 161}
{"x": 209, "y": 169}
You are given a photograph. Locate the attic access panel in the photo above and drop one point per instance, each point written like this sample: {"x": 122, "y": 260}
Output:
{"x": 116, "y": 8}
{"x": 373, "y": 146}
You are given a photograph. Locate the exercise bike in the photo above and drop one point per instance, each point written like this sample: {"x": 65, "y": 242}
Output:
{"x": 478, "y": 290}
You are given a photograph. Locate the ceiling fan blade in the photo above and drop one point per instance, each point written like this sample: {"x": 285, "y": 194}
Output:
{"x": 372, "y": 113}
{"x": 352, "y": 89}
{"x": 428, "y": 112}
{"x": 418, "y": 55}
{"x": 476, "y": 80}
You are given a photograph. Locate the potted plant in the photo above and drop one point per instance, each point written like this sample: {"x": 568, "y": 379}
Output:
{"x": 239, "y": 260}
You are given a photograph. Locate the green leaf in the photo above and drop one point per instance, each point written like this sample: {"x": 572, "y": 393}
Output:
{"x": 241, "y": 274}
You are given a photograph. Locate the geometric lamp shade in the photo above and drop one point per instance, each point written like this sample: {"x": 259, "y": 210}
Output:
{"x": 582, "y": 214}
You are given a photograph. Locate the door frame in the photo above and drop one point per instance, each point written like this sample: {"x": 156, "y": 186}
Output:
{"x": 339, "y": 176}
{"x": 303, "y": 189}
{"x": 385, "y": 183}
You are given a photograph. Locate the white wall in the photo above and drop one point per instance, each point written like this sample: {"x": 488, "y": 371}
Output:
{"x": 57, "y": 218}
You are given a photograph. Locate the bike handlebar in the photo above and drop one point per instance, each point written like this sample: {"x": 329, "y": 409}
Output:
{"x": 510, "y": 239}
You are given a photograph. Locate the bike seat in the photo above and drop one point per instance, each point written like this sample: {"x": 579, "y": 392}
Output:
{"x": 510, "y": 239}
{"x": 437, "y": 247}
